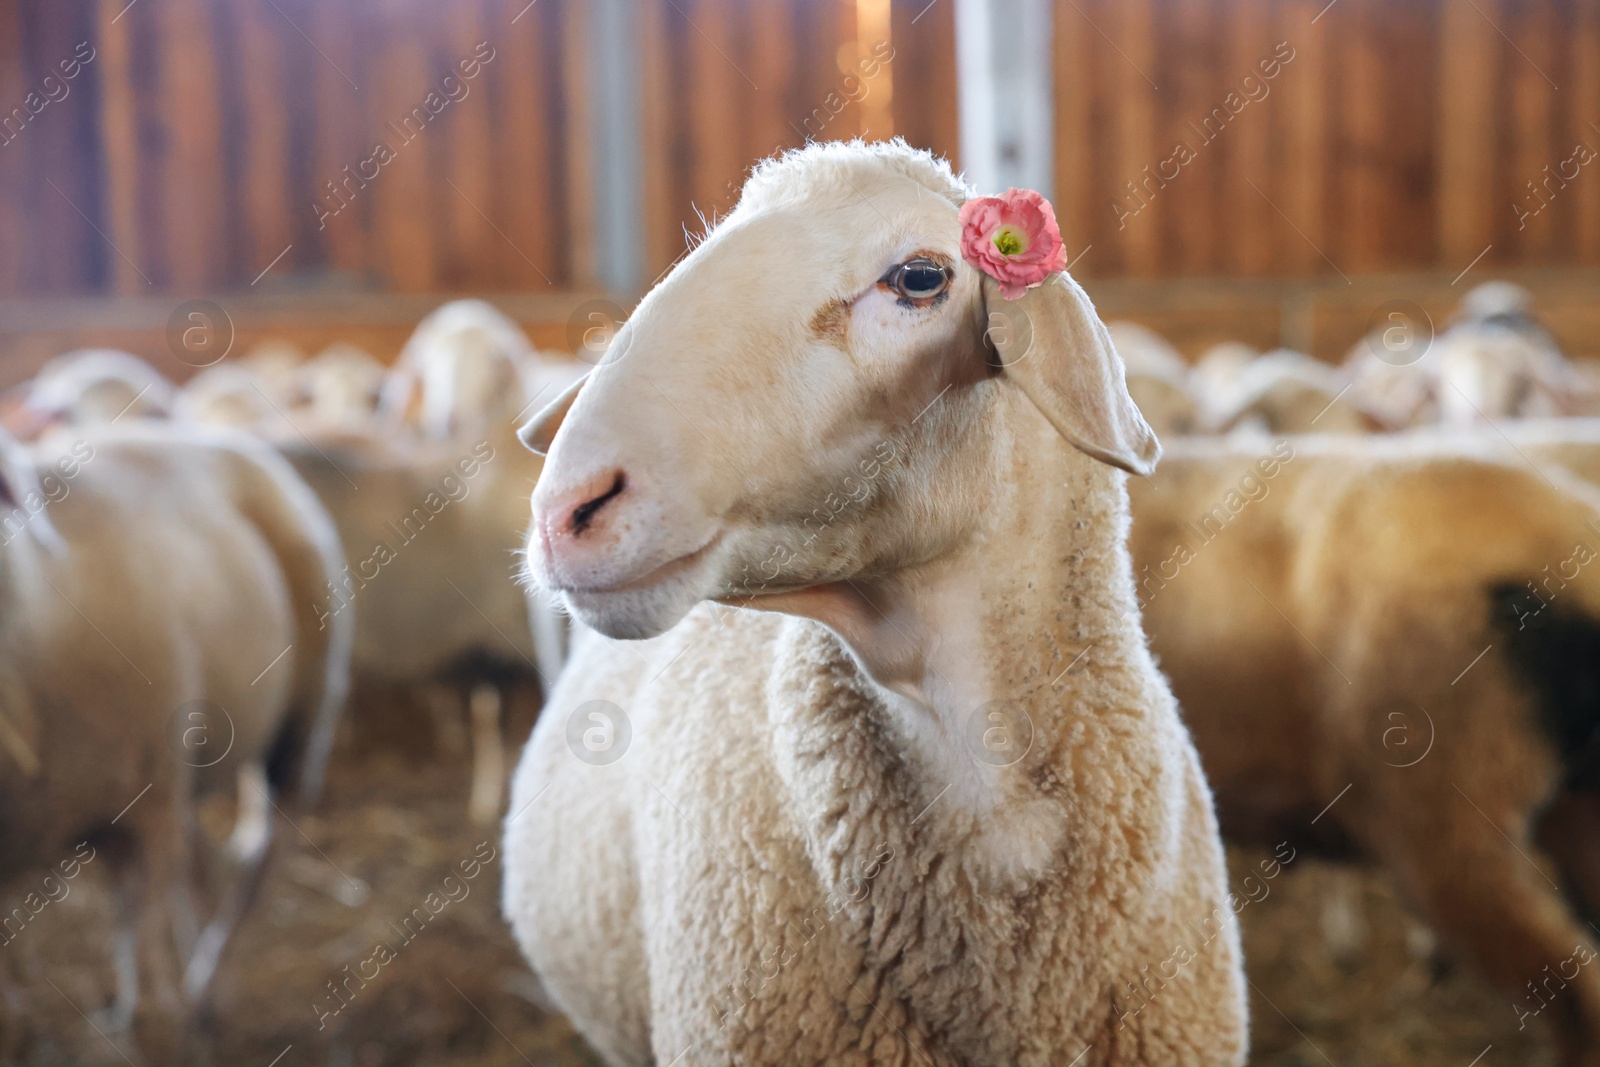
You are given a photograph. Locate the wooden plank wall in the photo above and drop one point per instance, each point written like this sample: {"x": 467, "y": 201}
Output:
{"x": 728, "y": 83}
{"x": 198, "y": 142}
{"x": 205, "y": 138}
{"x": 191, "y": 151}
{"x": 1395, "y": 135}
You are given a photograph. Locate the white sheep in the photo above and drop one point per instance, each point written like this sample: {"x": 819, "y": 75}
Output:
{"x": 1213, "y": 378}
{"x": 276, "y": 366}
{"x": 1392, "y": 390}
{"x": 463, "y": 370}
{"x": 945, "y": 814}
{"x": 1284, "y": 391}
{"x": 340, "y": 385}
{"x": 1158, "y": 379}
{"x": 429, "y": 531}
{"x": 1492, "y": 361}
{"x": 161, "y": 639}
{"x": 1570, "y": 443}
{"x": 1585, "y": 393}
{"x": 232, "y": 395}
{"x": 1389, "y": 646}
{"x": 90, "y": 386}
{"x": 1496, "y": 361}
{"x": 463, "y": 379}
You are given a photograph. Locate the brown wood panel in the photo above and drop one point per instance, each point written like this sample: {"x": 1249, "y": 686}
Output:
{"x": 771, "y": 124}
{"x": 191, "y": 199}
{"x": 200, "y": 142}
{"x": 1465, "y": 90}
{"x": 1077, "y": 204}
{"x": 333, "y": 121}
{"x": 1301, "y": 115}
{"x": 1361, "y": 100}
{"x": 1583, "y": 127}
{"x": 53, "y": 158}
{"x": 120, "y": 141}
{"x": 469, "y": 209}
{"x": 1129, "y": 25}
{"x": 1197, "y": 221}
{"x": 1248, "y": 151}
{"x": 1533, "y": 106}
{"x": 400, "y": 201}
{"x": 1408, "y": 145}
{"x": 521, "y": 102}
{"x": 661, "y": 244}
{"x": 715, "y": 94}
{"x": 263, "y": 205}
{"x": 922, "y": 34}
{"x": 13, "y": 162}
{"x": 579, "y": 262}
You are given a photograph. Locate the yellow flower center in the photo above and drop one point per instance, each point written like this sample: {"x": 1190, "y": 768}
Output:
{"x": 1008, "y": 241}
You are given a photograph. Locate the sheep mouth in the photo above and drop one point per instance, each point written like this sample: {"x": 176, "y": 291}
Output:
{"x": 672, "y": 569}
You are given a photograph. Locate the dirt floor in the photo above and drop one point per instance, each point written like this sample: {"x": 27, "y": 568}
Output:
{"x": 1340, "y": 976}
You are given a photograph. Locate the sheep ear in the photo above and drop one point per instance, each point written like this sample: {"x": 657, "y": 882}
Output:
{"x": 22, "y": 490}
{"x": 537, "y": 433}
{"x": 1054, "y": 347}
{"x": 400, "y": 396}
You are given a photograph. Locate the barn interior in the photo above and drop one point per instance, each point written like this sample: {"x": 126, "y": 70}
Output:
{"x": 265, "y": 214}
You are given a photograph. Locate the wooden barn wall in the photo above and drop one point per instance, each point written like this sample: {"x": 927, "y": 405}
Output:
{"x": 189, "y": 154}
{"x": 729, "y": 82}
{"x": 1393, "y": 135}
{"x": 218, "y": 127}
{"x": 194, "y": 147}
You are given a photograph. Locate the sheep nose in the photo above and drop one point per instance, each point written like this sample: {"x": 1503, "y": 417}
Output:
{"x": 582, "y": 510}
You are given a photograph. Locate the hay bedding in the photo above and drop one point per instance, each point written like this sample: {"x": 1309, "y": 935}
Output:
{"x": 1385, "y": 1004}
{"x": 456, "y": 994}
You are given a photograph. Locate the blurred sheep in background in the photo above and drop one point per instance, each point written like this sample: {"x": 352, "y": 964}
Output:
{"x": 1356, "y": 544}
{"x": 1215, "y": 377}
{"x": 1495, "y": 362}
{"x": 231, "y": 394}
{"x": 340, "y": 386}
{"x": 90, "y": 386}
{"x": 110, "y": 674}
{"x": 1158, "y": 379}
{"x": 431, "y": 500}
{"x": 1284, "y": 391}
{"x": 276, "y": 367}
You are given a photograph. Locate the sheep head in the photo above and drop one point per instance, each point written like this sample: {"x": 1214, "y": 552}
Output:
{"x": 819, "y": 391}
{"x": 91, "y": 386}
{"x": 460, "y": 372}
{"x": 1489, "y": 372}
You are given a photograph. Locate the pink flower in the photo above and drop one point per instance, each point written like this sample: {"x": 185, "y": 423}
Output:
{"x": 1013, "y": 238}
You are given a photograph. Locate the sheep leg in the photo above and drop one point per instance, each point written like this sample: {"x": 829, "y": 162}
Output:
{"x": 144, "y": 866}
{"x": 185, "y": 909}
{"x": 444, "y": 706}
{"x": 125, "y": 966}
{"x": 129, "y": 895}
{"x": 248, "y": 848}
{"x": 252, "y": 825}
{"x": 1344, "y": 920}
{"x": 1485, "y": 897}
{"x": 488, "y": 754}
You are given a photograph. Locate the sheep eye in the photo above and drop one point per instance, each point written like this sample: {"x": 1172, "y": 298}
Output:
{"x": 918, "y": 280}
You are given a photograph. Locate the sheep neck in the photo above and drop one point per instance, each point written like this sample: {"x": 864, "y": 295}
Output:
{"x": 1032, "y": 618}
